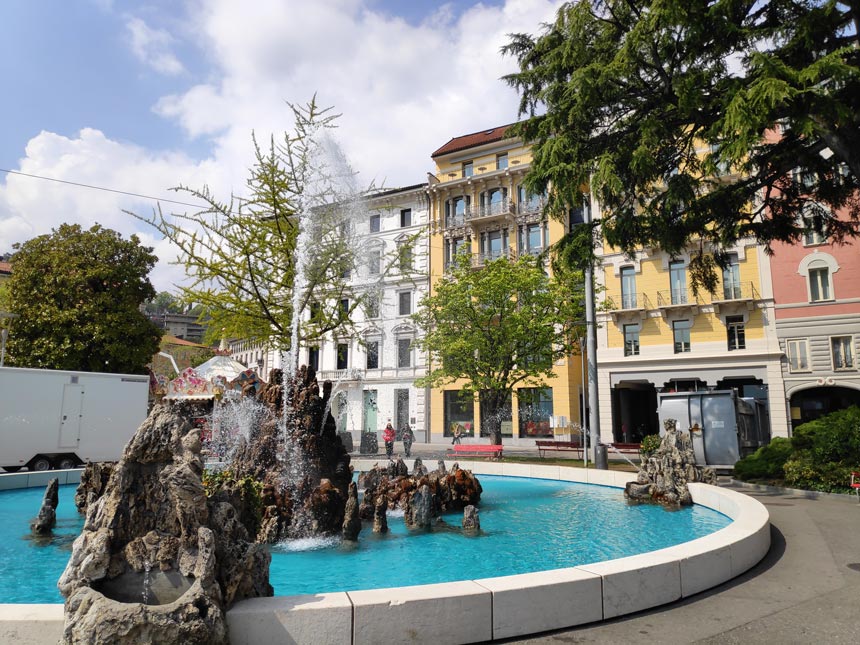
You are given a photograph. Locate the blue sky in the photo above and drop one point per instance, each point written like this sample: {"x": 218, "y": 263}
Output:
{"x": 143, "y": 96}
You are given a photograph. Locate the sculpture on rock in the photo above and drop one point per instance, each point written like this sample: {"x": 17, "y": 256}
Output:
{"x": 380, "y": 520}
{"x": 46, "y": 520}
{"x": 664, "y": 474}
{"x": 471, "y": 521}
{"x": 157, "y": 561}
{"x": 351, "y": 521}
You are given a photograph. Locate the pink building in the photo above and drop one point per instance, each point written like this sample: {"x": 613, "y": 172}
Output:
{"x": 816, "y": 289}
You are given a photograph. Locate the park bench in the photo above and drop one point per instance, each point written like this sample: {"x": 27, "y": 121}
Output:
{"x": 544, "y": 446}
{"x": 476, "y": 450}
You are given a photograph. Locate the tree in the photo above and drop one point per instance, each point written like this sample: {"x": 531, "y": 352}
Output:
{"x": 252, "y": 270}
{"x": 77, "y": 296}
{"x": 164, "y": 302}
{"x": 499, "y": 327}
{"x": 696, "y": 122}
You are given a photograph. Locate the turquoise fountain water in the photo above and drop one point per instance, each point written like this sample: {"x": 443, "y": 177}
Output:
{"x": 527, "y": 525}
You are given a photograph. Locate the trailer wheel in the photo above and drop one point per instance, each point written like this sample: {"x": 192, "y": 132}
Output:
{"x": 66, "y": 463}
{"x": 40, "y": 463}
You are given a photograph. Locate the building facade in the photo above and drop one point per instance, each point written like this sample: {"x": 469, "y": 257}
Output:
{"x": 478, "y": 202}
{"x": 816, "y": 286}
{"x": 656, "y": 335}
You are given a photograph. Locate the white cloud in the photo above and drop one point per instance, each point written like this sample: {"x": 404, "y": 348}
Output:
{"x": 30, "y": 206}
{"x": 404, "y": 90}
{"x": 152, "y": 47}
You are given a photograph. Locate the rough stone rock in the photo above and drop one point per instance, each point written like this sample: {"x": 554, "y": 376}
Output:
{"x": 46, "y": 520}
{"x": 94, "y": 478}
{"x": 419, "y": 469}
{"x": 380, "y": 521}
{"x": 153, "y": 537}
{"x": 351, "y": 520}
{"x": 421, "y": 509}
{"x": 471, "y": 520}
{"x": 663, "y": 475}
{"x": 301, "y": 460}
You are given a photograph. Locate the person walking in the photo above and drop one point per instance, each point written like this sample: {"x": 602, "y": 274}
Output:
{"x": 388, "y": 436}
{"x": 408, "y": 437}
{"x": 457, "y": 434}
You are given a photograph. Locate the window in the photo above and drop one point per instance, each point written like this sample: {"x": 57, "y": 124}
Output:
{"x": 314, "y": 358}
{"x": 344, "y": 308}
{"x": 458, "y": 413}
{"x": 374, "y": 223}
{"x": 798, "y": 356}
{"x": 452, "y": 248}
{"x": 526, "y": 202}
{"x": 494, "y": 244}
{"x": 819, "y": 281}
{"x": 405, "y": 217}
{"x": 813, "y": 225}
{"x": 531, "y": 238}
{"x": 373, "y": 260}
{"x": 579, "y": 214}
{"x": 342, "y": 356}
{"x": 842, "y": 351}
{"x": 732, "y": 279}
{"x": 373, "y": 355}
{"x": 535, "y": 412}
{"x": 455, "y": 211}
{"x": 404, "y": 352}
{"x": 404, "y": 303}
{"x": 631, "y": 340}
{"x": 501, "y": 161}
{"x": 736, "y": 335}
{"x": 494, "y": 201}
{"x": 628, "y": 288}
{"x": 315, "y": 310}
{"x": 681, "y": 334}
{"x": 678, "y": 283}
{"x": 405, "y": 257}
{"x": 468, "y": 169}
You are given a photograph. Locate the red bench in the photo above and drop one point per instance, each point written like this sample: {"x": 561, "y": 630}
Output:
{"x": 543, "y": 446}
{"x": 476, "y": 450}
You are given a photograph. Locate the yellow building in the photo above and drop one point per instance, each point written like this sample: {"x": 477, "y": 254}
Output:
{"x": 656, "y": 335}
{"x": 478, "y": 202}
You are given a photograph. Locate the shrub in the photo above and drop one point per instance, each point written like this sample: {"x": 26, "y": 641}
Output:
{"x": 649, "y": 444}
{"x": 826, "y": 450}
{"x": 767, "y": 462}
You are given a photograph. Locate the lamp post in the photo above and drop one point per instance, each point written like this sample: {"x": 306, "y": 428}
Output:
{"x": 591, "y": 348}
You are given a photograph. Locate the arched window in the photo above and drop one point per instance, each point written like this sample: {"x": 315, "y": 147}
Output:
{"x": 819, "y": 281}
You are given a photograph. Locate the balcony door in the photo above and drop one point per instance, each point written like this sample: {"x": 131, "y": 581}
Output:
{"x": 678, "y": 282}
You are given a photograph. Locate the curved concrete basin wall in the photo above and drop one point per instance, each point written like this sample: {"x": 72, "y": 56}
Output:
{"x": 489, "y": 608}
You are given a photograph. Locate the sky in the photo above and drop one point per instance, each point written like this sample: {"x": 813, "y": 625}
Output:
{"x": 145, "y": 96}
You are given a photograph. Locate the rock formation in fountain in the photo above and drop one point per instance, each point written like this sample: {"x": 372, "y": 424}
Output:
{"x": 93, "y": 481}
{"x": 664, "y": 474}
{"x": 157, "y": 562}
{"x": 46, "y": 520}
{"x": 418, "y": 468}
{"x": 300, "y": 459}
{"x": 351, "y": 520}
{"x": 471, "y": 521}
{"x": 380, "y": 520}
{"x": 422, "y": 497}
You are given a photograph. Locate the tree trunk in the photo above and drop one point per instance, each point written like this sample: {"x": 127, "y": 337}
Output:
{"x": 492, "y": 407}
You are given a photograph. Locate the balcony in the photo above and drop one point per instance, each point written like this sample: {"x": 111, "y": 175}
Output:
{"x": 341, "y": 376}
{"x": 735, "y": 295}
{"x": 491, "y": 212}
{"x": 628, "y": 305}
{"x": 480, "y": 259}
{"x": 455, "y": 221}
{"x": 677, "y": 301}
{"x": 530, "y": 207}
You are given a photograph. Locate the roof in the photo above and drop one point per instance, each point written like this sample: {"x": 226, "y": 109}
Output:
{"x": 5, "y": 267}
{"x": 167, "y": 339}
{"x": 472, "y": 140}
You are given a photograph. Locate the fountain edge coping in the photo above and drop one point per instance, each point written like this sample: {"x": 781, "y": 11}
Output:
{"x": 483, "y": 609}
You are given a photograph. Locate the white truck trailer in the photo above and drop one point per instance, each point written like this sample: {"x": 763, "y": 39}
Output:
{"x": 59, "y": 419}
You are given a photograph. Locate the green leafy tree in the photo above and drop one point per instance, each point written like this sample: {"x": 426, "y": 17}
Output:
{"x": 77, "y": 296}
{"x": 667, "y": 110}
{"x": 499, "y": 327}
{"x": 164, "y": 302}
{"x": 242, "y": 254}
